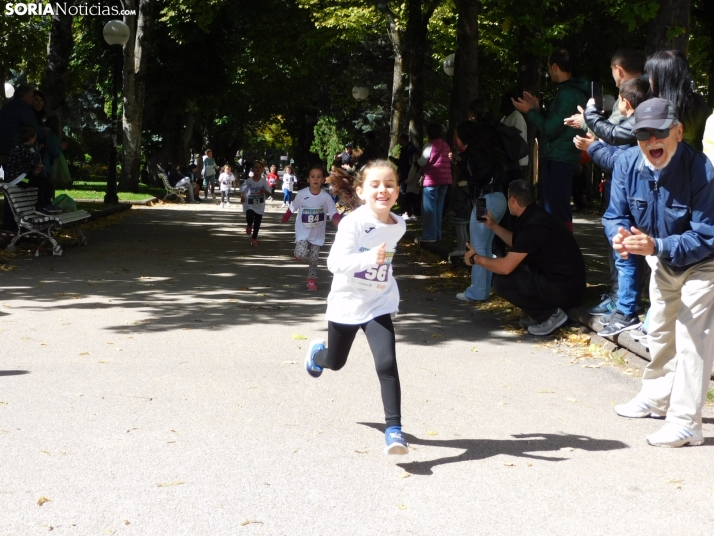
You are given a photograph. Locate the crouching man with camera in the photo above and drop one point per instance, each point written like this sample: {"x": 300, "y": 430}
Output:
{"x": 544, "y": 271}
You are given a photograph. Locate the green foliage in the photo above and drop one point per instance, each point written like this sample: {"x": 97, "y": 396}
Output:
{"x": 329, "y": 139}
{"x": 23, "y": 46}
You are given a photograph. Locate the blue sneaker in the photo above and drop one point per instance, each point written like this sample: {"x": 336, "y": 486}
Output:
{"x": 396, "y": 444}
{"x": 314, "y": 347}
{"x": 608, "y": 305}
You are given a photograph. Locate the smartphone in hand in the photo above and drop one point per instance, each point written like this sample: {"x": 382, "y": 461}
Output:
{"x": 481, "y": 209}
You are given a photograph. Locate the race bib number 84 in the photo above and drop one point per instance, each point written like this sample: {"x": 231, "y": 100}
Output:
{"x": 312, "y": 217}
{"x": 375, "y": 278}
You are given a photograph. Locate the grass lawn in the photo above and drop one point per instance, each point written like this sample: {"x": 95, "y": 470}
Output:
{"x": 96, "y": 190}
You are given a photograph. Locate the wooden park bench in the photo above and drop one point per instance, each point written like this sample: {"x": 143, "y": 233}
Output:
{"x": 33, "y": 223}
{"x": 171, "y": 191}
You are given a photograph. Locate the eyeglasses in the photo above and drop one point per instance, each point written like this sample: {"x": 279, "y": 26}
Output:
{"x": 659, "y": 133}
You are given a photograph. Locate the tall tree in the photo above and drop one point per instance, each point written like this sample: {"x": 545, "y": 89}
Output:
{"x": 465, "y": 87}
{"x": 135, "y": 66}
{"x": 59, "y": 52}
{"x": 669, "y": 29}
{"x": 418, "y": 14}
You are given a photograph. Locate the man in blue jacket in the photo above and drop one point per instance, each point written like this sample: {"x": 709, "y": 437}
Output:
{"x": 662, "y": 207}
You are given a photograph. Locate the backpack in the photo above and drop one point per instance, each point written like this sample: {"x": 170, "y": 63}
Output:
{"x": 514, "y": 144}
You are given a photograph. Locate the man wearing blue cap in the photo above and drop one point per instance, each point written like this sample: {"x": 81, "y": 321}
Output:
{"x": 662, "y": 207}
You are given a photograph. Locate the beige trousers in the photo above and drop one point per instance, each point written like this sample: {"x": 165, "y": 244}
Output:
{"x": 681, "y": 341}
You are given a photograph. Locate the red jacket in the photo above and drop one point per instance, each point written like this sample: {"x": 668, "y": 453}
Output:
{"x": 437, "y": 171}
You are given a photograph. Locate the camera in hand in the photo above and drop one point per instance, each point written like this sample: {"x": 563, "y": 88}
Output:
{"x": 481, "y": 209}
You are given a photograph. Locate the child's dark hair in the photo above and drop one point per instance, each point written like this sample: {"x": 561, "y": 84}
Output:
{"x": 27, "y": 132}
{"x": 317, "y": 166}
{"x": 635, "y": 91}
{"x": 345, "y": 184}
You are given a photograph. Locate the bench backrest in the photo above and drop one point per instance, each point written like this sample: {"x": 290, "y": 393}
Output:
{"x": 22, "y": 200}
{"x": 165, "y": 179}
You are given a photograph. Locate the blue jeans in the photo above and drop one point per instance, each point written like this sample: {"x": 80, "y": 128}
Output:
{"x": 482, "y": 241}
{"x": 432, "y": 211}
{"x": 629, "y": 278}
{"x": 287, "y": 197}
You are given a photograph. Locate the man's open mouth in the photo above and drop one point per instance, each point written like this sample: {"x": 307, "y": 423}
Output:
{"x": 656, "y": 153}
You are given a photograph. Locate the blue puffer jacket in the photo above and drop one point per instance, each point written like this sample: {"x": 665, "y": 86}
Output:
{"x": 675, "y": 205}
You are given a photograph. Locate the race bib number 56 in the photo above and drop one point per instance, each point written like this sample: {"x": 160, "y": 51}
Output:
{"x": 375, "y": 278}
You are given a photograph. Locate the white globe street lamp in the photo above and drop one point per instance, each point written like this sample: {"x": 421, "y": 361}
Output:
{"x": 116, "y": 34}
{"x": 449, "y": 64}
{"x": 360, "y": 93}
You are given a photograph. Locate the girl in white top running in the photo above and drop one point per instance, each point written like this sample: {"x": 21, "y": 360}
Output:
{"x": 289, "y": 179}
{"x": 252, "y": 195}
{"x": 364, "y": 293}
{"x": 226, "y": 180}
{"x": 313, "y": 206}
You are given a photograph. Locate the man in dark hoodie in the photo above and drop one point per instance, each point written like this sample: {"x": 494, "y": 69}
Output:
{"x": 559, "y": 158}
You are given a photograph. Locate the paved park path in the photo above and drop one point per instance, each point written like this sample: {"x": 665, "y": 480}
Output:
{"x": 152, "y": 384}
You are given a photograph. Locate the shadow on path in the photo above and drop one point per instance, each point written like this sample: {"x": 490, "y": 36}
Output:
{"x": 523, "y": 446}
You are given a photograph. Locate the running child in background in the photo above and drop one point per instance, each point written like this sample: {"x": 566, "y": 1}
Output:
{"x": 364, "y": 293}
{"x": 272, "y": 181}
{"x": 313, "y": 206}
{"x": 289, "y": 180}
{"x": 226, "y": 180}
{"x": 252, "y": 196}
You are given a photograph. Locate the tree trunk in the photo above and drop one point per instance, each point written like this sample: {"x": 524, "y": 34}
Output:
{"x": 59, "y": 50}
{"x": 465, "y": 87}
{"x": 670, "y": 27}
{"x": 416, "y": 46}
{"x": 529, "y": 78}
{"x": 135, "y": 65}
{"x": 396, "y": 37}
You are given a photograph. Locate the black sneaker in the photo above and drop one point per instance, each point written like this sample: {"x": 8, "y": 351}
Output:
{"x": 620, "y": 323}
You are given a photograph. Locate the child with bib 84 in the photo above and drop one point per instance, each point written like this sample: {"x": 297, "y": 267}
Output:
{"x": 313, "y": 206}
{"x": 364, "y": 294}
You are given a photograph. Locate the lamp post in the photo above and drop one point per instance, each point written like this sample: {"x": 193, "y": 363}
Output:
{"x": 9, "y": 90}
{"x": 360, "y": 93}
{"x": 116, "y": 34}
{"x": 449, "y": 64}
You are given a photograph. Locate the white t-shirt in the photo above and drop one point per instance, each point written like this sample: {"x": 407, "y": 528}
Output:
{"x": 226, "y": 180}
{"x": 312, "y": 212}
{"x": 254, "y": 195}
{"x": 517, "y": 120}
{"x": 360, "y": 290}
{"x": 288, "y": 181}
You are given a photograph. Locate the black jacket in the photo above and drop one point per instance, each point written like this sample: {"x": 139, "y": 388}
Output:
{"x": 620, "y": 134}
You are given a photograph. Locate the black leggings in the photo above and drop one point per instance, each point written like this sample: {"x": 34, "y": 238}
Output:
{"x": 254, "y": 219}
{"x": 380, "y": 336}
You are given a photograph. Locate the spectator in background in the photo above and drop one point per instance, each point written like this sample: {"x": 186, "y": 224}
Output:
{"x": 15, "y": 114}
{"x": 408, "y": 201}
{"x": 436, "y": 172}
{"x": 346, "y": 156}
{"x": 372, "y": 150}
{"x": 514, "y": 118}
{"x": 38, "y": 105}
{"x": 671, "y": 79}
{"x": 192, "y": 174}
{"x": 209, "y": 174}
{"x": 559, "y": 158}
{"x": 178, "y": 180}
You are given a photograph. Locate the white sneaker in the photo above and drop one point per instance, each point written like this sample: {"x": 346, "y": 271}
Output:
{"x": 555, "y": 320}
{"x": 638, "y": 409}
{"x": 462, "y": 296}
{"x": 674, "y": 435}
{"x": 228, "y": 204}
{"x": 221, "y": 205}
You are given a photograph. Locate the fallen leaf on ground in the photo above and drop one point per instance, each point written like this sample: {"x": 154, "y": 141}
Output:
{"x": 250, "y": 521}
{"x": 298, "y": 337}
{"x": 436, "y": 336}
{"x": 509, "y": 464}
{"x": 402, "y": 506}
{"x": 431, "y": 433}
{"x": 404, "y": 474}
{"x": 360, "y": 451}
{"x": 43, "y": 500}
{"x": 473, "y": 349}
{"x": 546, "y": 392}
{"x": 85, "y": 353}
{"x": 167, "y": 484}
{"x": 290, "y": 362}
{"x": 571, "y": 399}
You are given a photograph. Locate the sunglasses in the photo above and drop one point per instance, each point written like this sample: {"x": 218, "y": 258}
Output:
{"x": 659, "y": 133}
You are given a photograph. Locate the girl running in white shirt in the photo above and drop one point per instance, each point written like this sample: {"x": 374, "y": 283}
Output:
{"x": 288, "y": 180}
{"x": 252, "y": 196}
{"x": 364, "y": 293}
{"x": 313, "y": 205}
{"x": 226, "y": 180}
